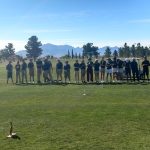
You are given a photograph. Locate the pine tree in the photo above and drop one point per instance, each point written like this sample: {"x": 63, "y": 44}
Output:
{"x": 33, "y": 47}
{"x": 107, "y": 52}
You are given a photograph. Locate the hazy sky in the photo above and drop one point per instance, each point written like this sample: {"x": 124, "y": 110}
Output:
{"x": 75, "y": 22}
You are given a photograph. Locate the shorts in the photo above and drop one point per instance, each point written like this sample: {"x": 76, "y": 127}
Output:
{"x": 109, "y": 71}
{"x": 31, "y": 72}
{"x": 114, "y": 70}
{"x": 9, "y": 75}
{"x": 67, "y": 74}
{"x": 45, "y": 74}
{"x": 83, "y": 72}
{"x": 120, "y": 70}
{"x": 59, "y": 72}
{"x": 102, "y": 70}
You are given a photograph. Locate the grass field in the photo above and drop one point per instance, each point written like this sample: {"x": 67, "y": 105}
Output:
{"x": 52, "y": 117}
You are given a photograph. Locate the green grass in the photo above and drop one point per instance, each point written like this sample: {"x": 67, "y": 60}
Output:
{"x": 52, "y": 117}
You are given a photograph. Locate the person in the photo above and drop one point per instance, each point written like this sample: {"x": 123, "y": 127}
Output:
{"x": 109, "y": 69}
{"x": 83, "y": 70}
{"x": 102, "y": 70}
{"x": 39, "y": 65}
{"x": 145, "y": 65}
{"x": 24, "y": 71}
{"x": 9, "y": 69}
{"x": 127, "y": 65}
{"x": 134, "y": 68}
{"x": 18, "y": 69}
{"x": 31, "y": 70}
{"x": 50, "y": 70}
{"x": 96, "y": 70}
{"x": 76, "y": 70}
{"x": 89, "y": 70}
{"x": 114, "y": 69}
{"x": 46, "y": 68}
{"x": 59, "y": 69}
{"x": 120, "y": 65}
{"x": 67, "y": 71}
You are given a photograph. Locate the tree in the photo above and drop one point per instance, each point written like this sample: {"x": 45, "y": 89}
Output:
{"x": 90, "y": 50}
{"x": 72, "y": 54}
{"x": 115, "y": 53}
{"x": 76, "y": 55}
{"x": 68, "y": 53}
{"x": 120, "y": 51}
{"x": 107, "y": 52}
{"x": 4, "y": 53}
{"x": 33, "y": 47}
{"x": 7, "y": 52}
{"x": 9, "y": 48}
{"x": 133, "y": 51}
{"x": 79, "y": 56}
{"x": 126, "y": 49}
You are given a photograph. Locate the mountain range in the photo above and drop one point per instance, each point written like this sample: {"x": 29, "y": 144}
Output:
{"x": 61, "y": 50}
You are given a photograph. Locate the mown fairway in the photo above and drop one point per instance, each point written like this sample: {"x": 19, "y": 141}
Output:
{"x": 53, "y": 117}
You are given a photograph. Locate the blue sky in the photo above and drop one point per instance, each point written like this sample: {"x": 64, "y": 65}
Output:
{"x": 75, "y": 22}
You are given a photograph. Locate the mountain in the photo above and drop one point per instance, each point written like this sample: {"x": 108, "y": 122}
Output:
{"x": 61, "y": 50}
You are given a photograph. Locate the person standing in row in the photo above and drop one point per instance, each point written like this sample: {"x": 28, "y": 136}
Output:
{"x": 146, "y": 65}
{"x": 114, "y": 69}
{"x": 128, "y": 69}
{"x": 50, "y": 70}
{"x": 9, "y": 69}
{"x": 24, "y": 71}
{"x": 134, "y": 68}
{"x": 46, "y": 68}
{"x": 90, "y": 70}
{"x": 76, "y": 70}
{"x": 67, "y": 71}
{"x": 83, "y": 71}
{"x": 120, "y": 65}
{"x": 103, "y": 66}
{"x": 96, "y": 70}
{"x": 31, "y": 70}
{"x": 109, "y": 69}
{"x": 39, "y": 65}
{"x": 18, "y": 69}
{"x": 59, "y": 69}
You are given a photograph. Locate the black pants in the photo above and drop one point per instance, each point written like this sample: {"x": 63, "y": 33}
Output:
{"x": 146, "y": 73}
{"x": 89, "y": 75}
{"x": 128, "y": 73}
{"x": 135, "y": 74}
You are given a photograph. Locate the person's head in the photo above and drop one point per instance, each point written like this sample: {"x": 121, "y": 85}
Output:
{"x": 10, "y": 62}
{"x": 45, "y": 60}
{"x": 145, "y": 58}
{"x": 126, "y": 60}
{"x": 82, "y": 61}
{"x": 76, "y": 60}
{"x": 114, "y": 58}
{"x": 58, "y": 60}
{"x": 18, "y": 62}
{"x": 31, "y": 60}
{"x": 109, "y": 59}
{"x": 102, "y": 58}
{"x": 90, "y": 59}
{"x": 66, "y": 61}
{"x": 133, "y": 59}
{"x": 39, "y": 58}
{"x": 96, "y": 60}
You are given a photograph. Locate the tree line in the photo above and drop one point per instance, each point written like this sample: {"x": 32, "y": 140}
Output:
{"x": 136, "y": 50}
{"x": 34, "y": 50}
